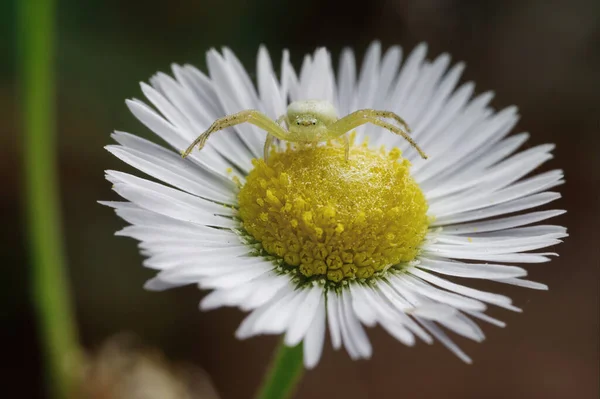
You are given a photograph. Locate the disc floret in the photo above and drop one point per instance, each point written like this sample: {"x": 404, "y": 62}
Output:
{"x": 334, "y": 218}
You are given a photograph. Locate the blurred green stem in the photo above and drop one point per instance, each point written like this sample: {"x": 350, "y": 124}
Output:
{"x": 284, "y": 373}
{"x": 50, "y": 290}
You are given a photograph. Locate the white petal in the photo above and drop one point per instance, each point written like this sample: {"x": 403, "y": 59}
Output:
{"x": 248, "y": 327}
{"x": 369, "y": 77}
{"x": 235, "y": 96}
{"x": 422, "y": 288}
{"x": 346, "y": 83}
{"x": 304, "y": 316}
{"x": 435, "y": 311}
{"x": 471, "y": 270}
{"x": 438, "y": 101}
{"x": 483, "y": 250}
{"x": 501, "y": 209}
{"x": 503, "y": 223}
{"x": 495, "y": 299}
{"x": 269, "y": 287}
{"x": 443, "y": 338}
{"x": 387, "y": 78}
{"x": 484, "y": 317}
{"x": 407, "y": 77}
{"x": 315, "y": 337}
{"x": 361, "y": 307}
{"x": 356, "y": 333}
{"x": 523, "y": 283}
{"x": 289, "y": 80}
{"x": 269, "y": 91}
{"x": 172, "y": 172}
{"x": 333, "y": 320}
{"x": 390, "y": 308}
{"x": 173, "y": 204}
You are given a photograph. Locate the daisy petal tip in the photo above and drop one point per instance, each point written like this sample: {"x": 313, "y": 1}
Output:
{"x": 155, "y": 284}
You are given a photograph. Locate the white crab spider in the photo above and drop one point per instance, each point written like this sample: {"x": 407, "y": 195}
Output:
{"x": 309, "y": 121}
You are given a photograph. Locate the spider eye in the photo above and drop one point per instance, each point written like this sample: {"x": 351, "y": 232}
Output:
{"x": 314, "y": 123}
{"x": 298, "y": 123}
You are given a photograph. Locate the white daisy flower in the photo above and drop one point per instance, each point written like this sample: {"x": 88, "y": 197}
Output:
{"x": 310, "y": 241}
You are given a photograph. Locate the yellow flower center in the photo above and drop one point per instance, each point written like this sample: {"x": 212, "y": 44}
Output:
{"x": 331, "y": 218}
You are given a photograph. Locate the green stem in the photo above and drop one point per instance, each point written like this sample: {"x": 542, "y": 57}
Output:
{"x": 50, "y": 291}
{"x": 284, "y": 373}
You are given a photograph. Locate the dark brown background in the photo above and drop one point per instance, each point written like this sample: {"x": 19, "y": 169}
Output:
{"x": 543, "y": 56}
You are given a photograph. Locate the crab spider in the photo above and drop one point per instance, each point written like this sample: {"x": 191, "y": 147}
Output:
{"x": 310, "y": 121}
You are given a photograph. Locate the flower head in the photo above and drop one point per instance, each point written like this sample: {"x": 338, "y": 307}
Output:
{"x": 310, "y": 239}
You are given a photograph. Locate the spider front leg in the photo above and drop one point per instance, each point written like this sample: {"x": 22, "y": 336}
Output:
{"x": 267, "y": 148}
{"x": 389, "y": 115}
{"x": 362, "y": 117}
{"x": 250, "y": 116}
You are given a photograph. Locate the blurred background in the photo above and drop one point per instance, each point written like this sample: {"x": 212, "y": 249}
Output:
{"x": 543, "y": 56}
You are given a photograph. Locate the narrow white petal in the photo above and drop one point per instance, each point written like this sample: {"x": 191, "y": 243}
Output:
{"x": 156, "y": 284}
{"x": 199, "y": 85}
{"x": 235, "y": 96}
{"x": 333, "y": 320}
{"x": 438, "y": 101}
{"x": 279, "y": 321}
{"x": 226, "y": 297}
{"x": 487, "y": 250}
{"x": 462, "y": 325}
{"x": 235, "y": 278}
{"x": 169, "y": 259}
{"x": 195, "y": 269}
{"x": 501, "y": 209}
{"x": 551, "y": 231}
{"x": 169, "y": 206}
{"x": 435, "y": 311}
{"x": 368, "y": 80}
{"x": 241, "y": 72}
{"x": 270, "y": 286}
{"x": 248, "y": 326}
{"x": 166, "y": 108}
{"x": 421, "y": 97}
{"x": 361, "y": 307}
{"x": 486, "y": 318}
{"x": 315, "y": 337}
{"x": 398, "y": 331}
{"x": 471, "y": 167}
{"x": 355, "y": 330}
{"x": 453, "y": 128}
{"x": 346, "y": 83}
{"x": 390, "y": 308}
{"x": 523, "y": 283}
{"x": 449, "y": 115}
{"x": 347, "y": 339}
{"x": 118, "y": 178}
{"x": 471, "y": 270}
{"x": 503, "y": 223}
{"x": 390, "y": 64}
{"x": 504, "y": 240}
{"x": 407, "y": 77}
{"x": 495, "y": 299}
{"x": 289, "y": 79}
{"x": 268, "y": 89}
{"x": 480, "y": 256}
{"x": 438, "y": 295}
{"x": 443, "y": 338}
{"x": 304, "y": 316}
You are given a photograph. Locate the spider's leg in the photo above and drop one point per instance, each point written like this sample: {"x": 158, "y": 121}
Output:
{"x": 389, "y": 115}
{"x": 346, "y": 146}
{"x": 267, "y": 149}
{"x": 358, "y": 118}
{"x": 250, "y": 116}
